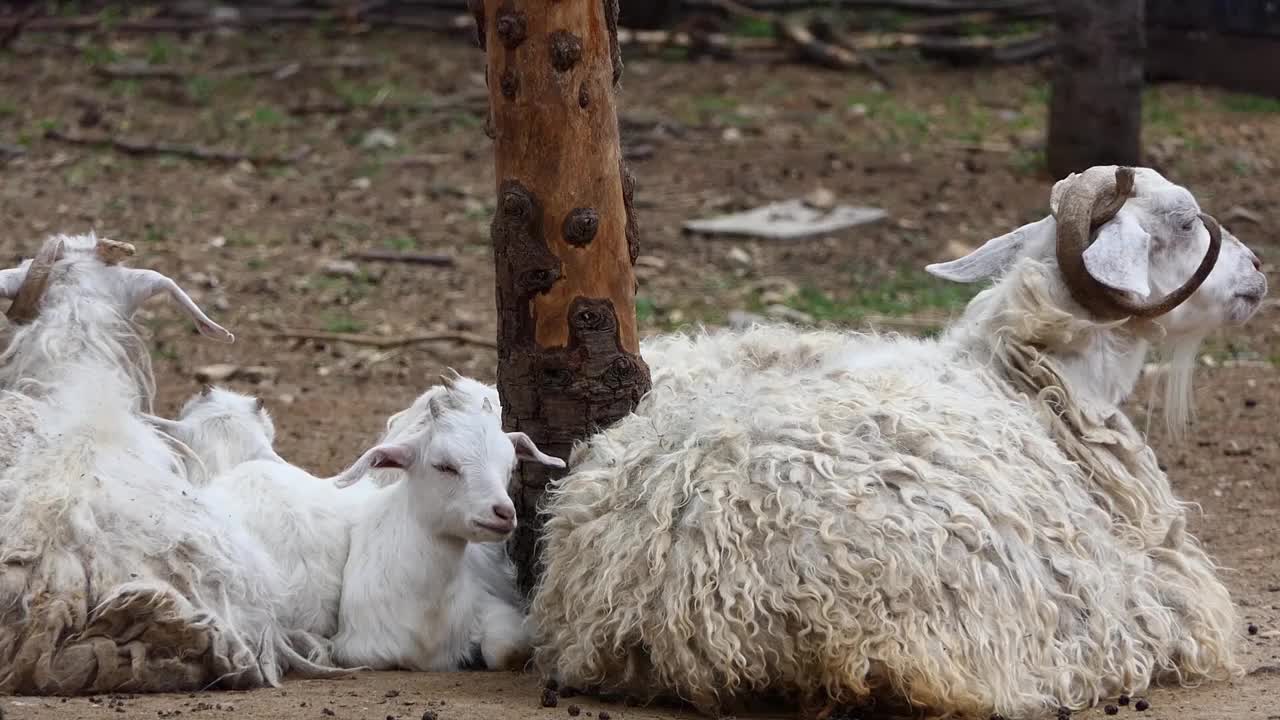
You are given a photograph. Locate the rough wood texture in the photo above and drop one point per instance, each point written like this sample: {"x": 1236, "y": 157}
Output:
{"x": 1231, "y": 62}
{"x": 564, "y": 234}
{"x": 1095, "y": 112}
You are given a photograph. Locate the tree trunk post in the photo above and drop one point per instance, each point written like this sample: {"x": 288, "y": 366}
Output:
{"x": 1095, "y": 110}
{"x": 564, "y": 235}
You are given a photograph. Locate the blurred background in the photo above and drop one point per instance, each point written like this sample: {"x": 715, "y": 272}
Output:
{"x": 311, "y": 168}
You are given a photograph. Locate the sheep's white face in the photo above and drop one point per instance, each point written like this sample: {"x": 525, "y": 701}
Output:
{"x": 219, "y": 405}
{"x": 1149, "y": 249}
{"x": 82, "y": 272}
{"x": 461, "y": 465}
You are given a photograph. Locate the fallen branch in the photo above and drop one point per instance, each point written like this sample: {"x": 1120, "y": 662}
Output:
{"x": 802, "y": 41}
{"x": 136, "y": 147}
{"x": 388, "y": 342}
{"x": 401, "y": 257}
{"x": 475, "y": 102}
{"x": 247, "y": 19}
{"x": 278, "y": 70}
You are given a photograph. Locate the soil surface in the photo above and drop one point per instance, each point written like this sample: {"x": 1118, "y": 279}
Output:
{"x": 396, "y": 160}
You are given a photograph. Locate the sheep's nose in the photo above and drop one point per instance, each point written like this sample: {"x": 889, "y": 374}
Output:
{"x": 506, "y": 512}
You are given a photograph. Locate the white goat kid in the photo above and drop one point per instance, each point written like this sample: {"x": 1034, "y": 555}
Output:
{"x": 426, "y": 587}
{"x": 112, "y": 575}
{"x": 969, "y": 522}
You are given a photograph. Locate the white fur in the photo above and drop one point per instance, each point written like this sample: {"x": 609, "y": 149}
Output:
{"x": 970, "y": 522}
{"x": 426, "y": 586}
{"x": 113, "y": 575}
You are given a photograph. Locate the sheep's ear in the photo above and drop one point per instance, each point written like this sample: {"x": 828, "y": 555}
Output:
{"x": 391, "y": 456}
{"x": 146, "y": 284}
{"x": 994, "y": 257}
{"x": 487, "y": 405}
{"x": 1120, "y": 257}
{"x": 527, "y": 450}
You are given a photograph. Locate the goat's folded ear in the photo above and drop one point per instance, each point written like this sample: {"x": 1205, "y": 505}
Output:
{"x": 996, "y": 255}
{"x": 395, "y": 456}
{"x": 10, "y": 281}
{"x": 1120, "y": 257}
{"x": 146, "y": 284}
{"x": 527, "y": 450}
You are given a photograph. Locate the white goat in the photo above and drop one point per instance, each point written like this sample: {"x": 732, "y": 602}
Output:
{"x": 426, "y": 586}
{"x": 112, "y": 575}
{"x": 303, "y": 521}
{"x": 970, "y": 523}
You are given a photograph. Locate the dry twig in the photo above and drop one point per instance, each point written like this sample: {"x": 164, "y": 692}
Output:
{"x": 387, "y": 342}
{"x": 402, "y": 257}
{"x": 194, "y": 152}
{"x": 278, "y": 70}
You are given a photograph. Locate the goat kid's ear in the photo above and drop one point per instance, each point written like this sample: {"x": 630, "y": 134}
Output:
{"x": 165, "y": 425}
{"x": 527, "y": 450}
{"x": 994, "y": 257}
{"x": 391, "y": 456}
{"x": 146, "y": 284}
{"x": 1120, "y": 257}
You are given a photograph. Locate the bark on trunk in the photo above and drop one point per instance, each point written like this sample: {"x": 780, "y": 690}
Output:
{"x": 564, "y": 234}
{"x": 1095, "y": 114}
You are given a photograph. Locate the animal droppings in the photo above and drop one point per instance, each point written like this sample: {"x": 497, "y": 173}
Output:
{"x": 327, "y": 712}
{"x": 1111, "y": 709}
{"x": 1123, "y": 699}
{"x": 574, "y": 711}
{"x": 550, "y": 698}
{"x": 429, "y": 715}
{"x": 1064, "y": 713}
{"x": 1141, "y": 705}
{"x": 1253, "y": 629}
{"x": 604, "y": 715}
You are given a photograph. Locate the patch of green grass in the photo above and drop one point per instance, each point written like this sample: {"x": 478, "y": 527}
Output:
{"x": 753, "y": 27}
{"x": 342, "y": 323}
{"x": 161, "y": 51}
{"x": 8, "y": 108}
{"x": 671, "y": 53}
{"x": 255, "y": 263}
{"x": 268, "y": 116}
{"x": 363, "y": 94}
{"x": 646, "y": 310}
{"x": 1243, "y": 103}
{"x": 96, "y": 55}
{"x": 1157, "y": 112}
{"x": 1030, "y": 162}
{"x": 402, "y": 243}
{"x": 906, "y": 293}
{"x": 125, "y": 87}
{"x": 200, "y": 89}
{"x": 153, "y": 234}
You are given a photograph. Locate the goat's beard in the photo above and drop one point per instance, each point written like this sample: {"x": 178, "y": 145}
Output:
{"x": 1179, "y": 400}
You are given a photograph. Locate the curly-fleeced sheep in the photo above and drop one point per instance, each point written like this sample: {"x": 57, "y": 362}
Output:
{"x": 114, "y": 576}
{"x": 970, "y": 523}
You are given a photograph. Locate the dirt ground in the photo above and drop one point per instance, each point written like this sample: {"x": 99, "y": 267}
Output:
{"x": 397, "y": 161}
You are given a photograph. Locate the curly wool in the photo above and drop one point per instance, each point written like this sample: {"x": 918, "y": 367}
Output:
{"x": 831, "y": 516}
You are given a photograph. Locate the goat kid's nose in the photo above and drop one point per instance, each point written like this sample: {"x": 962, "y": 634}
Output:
{"x": 506, "y": 512}
{"x": 1257, "y": 261}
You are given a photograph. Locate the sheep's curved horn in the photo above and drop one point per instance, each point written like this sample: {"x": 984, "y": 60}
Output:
{"x": 113, "y": 252}
{"x": 1093, "y": 198}
{"x": 26, "y": 302}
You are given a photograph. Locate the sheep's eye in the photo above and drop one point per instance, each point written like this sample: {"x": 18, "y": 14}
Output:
{"x": 1188, "y": 225}
{"x": 447, "y": 469}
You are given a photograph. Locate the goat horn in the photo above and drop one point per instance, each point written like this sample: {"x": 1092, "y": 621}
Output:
{"x": 450, "y": 378}
{"x": 113, "y": 252}
{"x": 26, "y": 303}
{"x": 1093, "y": 198}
